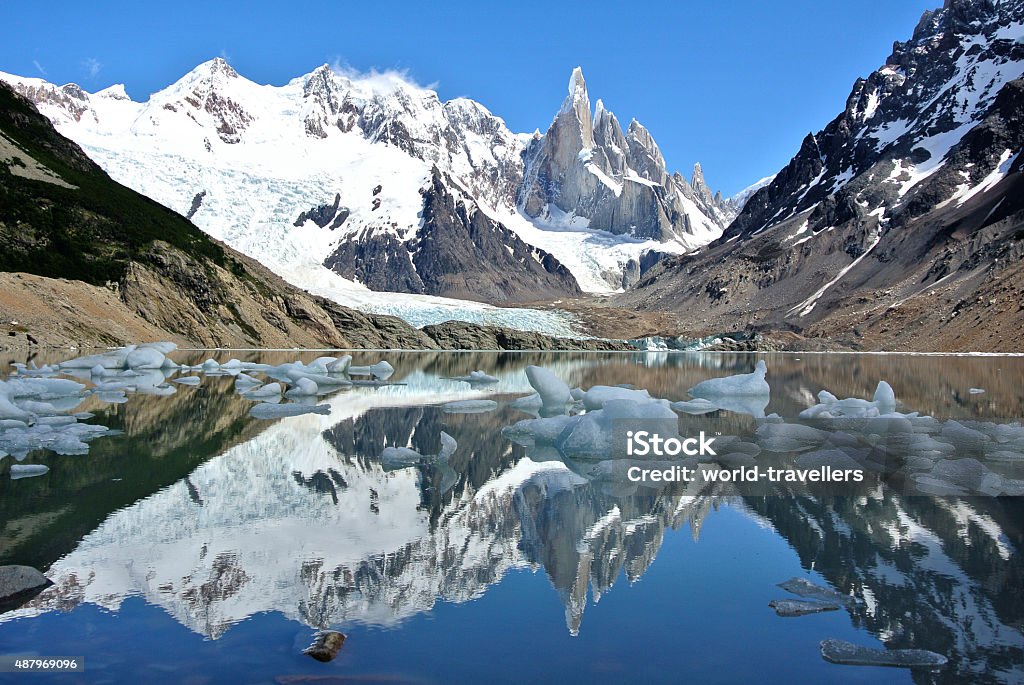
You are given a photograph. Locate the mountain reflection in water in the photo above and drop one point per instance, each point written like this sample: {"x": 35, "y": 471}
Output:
{"x": 217, "y": 518}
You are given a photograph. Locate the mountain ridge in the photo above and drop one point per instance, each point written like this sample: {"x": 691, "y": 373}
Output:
{"x": 898, "y": 225}
{"x": 245, "y": 160}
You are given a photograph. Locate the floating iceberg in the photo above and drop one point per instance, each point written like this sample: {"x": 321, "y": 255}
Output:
{"x": 695, "y": 407}
{"x": 392, "y": 458}
{"x": 799, "y": 607}
{"x": 303, "y": 387}
{"x": 805, "y": 588}
{"x": 28, "y": 470}
{"x": 552, "y": 390}
{"x": 847, "y": 653}
{"x": 268, "y": 390}
{"x": 188, "y": 380}
{"x": 747, "y": 384}
{"x": 595, "y": 397}
{"x": 474, "y": 377}
{"x": 469, "y": 407}
{"x": 381, "y": 369}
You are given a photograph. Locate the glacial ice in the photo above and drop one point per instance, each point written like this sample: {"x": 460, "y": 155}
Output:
{"x": 552, "y": 390}
{"x": 267, "y": 410}
{"x": 847, "y": 653}
{"x": 528, "y": 404}
{"x": 474, "y": 378}
{"x": 469, "y": 407}
{"x": 188, "y": 380}
{"x": 303, "y": 387}
{"x": 695, "y": 407}
{"x": 595, "y": 397}
{"x": 28, "y": 470}
{"x": 805, "y": 588}
{"x": 592, "y": 434}
{"x": 268, "y": 390}
{"x": 381, "y": 369}
{"x": 799, "y": 607}
{"x": 747, "y": 384}
{"x": 340, "y": 365}
{"x": 394, "y": 458}
{"x": 321, "y": 379}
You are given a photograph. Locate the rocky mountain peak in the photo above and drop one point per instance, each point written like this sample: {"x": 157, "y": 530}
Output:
{"x": 586, "y": 167}
{"x": 114, "y": 92}
{"x": 219, "y": 66}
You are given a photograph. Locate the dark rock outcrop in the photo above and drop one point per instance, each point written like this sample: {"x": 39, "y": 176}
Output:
{"x": 459, "y": 251}
{"x": 458, "y": 335}
{"x": 322, "y": 215}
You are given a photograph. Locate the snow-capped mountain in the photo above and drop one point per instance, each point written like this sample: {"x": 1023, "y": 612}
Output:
{"x": 913, "y": 190}
{"x": 328, "y": 180}
{"x": 585, "y": 166}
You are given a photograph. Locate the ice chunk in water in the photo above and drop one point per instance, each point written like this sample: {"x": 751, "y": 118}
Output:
{"x": 402, "y": 457}
{"x": 789, "y": 437}
{"x": 340, "y": 365}
{"x": 746, "y": 384}
{"x": 145, "y": 358}
{"x": 188, "y": 380}
{"x": 266, "y": 410}
{"x": 530, "y": 404}
{"x": 800, "y": 607}
{"x": 976, "y": 391}
{"x": 695, "y": 407}
{"x": 805, "y": 588}
{"x": 885, "y": 398}
{"x": 321, "y": 379}
{"x": 399, "y": 458}
{"x": 553, "y": 391}
{"x": 475, "y": 377}
{"x": 592, "y": 435}
{"x": 469, "y": 407}
{"x": 381, "y": 369}
{"x": 9, "y": 410}
{"x": 539, "y": 431}
{"x": 595, "y": 397}
{"x": 27, "y": 470}
{"x": 303, "y": 387}
{"x": 847, "y": 653}
{"x": 268, "y": 390}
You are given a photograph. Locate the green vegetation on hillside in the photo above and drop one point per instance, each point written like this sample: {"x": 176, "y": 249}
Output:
{"x": 89, "y": 233}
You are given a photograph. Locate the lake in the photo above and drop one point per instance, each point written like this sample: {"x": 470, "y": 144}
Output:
{"x": 194, "y": 543}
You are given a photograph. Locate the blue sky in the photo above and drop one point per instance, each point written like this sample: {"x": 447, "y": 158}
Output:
{"x": 734, "y": 85}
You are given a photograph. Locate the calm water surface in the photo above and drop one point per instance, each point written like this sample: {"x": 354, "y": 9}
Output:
{"x": 199, "y": 545}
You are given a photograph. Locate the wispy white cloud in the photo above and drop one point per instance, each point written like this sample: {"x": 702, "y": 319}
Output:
{"x": 92, "y": 66}
{"x": 385, "y": 79}
{"x": 225, "y": 56}
{"x": 39, "y": 66}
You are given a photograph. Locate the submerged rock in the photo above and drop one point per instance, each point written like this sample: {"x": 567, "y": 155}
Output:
{"x": 326, "y": 645}
{"x": 800, "y": 607}
{"x": 847, "y": 653}
{"x": 18, "y": 584}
